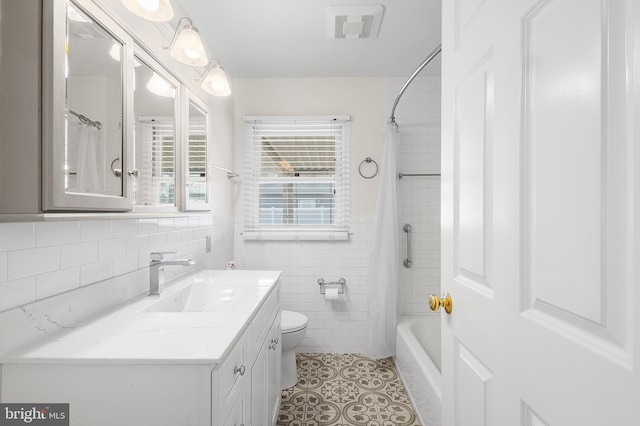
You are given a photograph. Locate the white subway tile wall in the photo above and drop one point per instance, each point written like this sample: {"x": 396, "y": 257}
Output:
{"x": 338, "y": 326}
{"x": 43, "y": 259}
{"x": 418, "y": 118}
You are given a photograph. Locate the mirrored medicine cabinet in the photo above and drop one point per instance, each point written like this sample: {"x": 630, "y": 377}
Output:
{"x": 120, "y": 131}
{"x": 197, "y": 116}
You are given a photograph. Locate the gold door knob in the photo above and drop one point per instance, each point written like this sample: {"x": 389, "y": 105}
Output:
{"x": 435, "y": 302}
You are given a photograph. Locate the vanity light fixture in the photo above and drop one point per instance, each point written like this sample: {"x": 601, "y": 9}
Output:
{"x": 151, "y": 10}
{"x": 186, "y": 46}
{"x": 214, "y": 80}
{"x": 159, "y": 86}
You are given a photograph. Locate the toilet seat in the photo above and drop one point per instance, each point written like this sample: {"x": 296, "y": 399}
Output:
{"x": 292, "y": 322}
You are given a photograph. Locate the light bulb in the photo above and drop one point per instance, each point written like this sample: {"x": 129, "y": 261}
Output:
{"x": 217, "y": 86}
{"x": 192, "y": 54}
{"x": 159, "y": 86}
{"x": 151, "y": 10}
{"x": 150, "y": 5}
{"x": 216, "y": 83}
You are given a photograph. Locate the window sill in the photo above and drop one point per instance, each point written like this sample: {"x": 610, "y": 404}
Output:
{"x": 296, "y": 235}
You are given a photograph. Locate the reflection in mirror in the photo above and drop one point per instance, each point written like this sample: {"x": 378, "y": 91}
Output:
{"x": 197, "y": 158}
{"x": 94, "y": 82}
{"x": 155, "y": 130}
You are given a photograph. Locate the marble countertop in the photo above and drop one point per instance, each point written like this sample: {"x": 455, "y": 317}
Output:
{"x": 195, "y": 321}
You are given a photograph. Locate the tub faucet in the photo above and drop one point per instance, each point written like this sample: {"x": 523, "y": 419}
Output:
{"x": 156, "y": 285}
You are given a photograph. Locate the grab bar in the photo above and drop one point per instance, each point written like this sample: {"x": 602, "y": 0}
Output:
{"x": 408, "y": 262}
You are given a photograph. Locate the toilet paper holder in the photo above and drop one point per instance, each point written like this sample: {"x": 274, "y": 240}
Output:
{"x": 339, "y": 284}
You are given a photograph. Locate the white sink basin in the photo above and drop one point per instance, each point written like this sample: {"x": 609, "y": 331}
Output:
{"x": 196, "y": 298}
{"x": 194, "y": 321}
{"x": 206, "y": 296}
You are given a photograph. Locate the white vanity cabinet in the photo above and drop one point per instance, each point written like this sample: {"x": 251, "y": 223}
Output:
{"x": 173, "y": 382}
{"x": 249, "y": 381}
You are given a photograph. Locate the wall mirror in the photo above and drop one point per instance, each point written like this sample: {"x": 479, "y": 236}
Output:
{"x": 196, "y": 156}
{"x": 85, "y": 109}
{"x": 120, "y": 130}
{"x": 94, "y": 104}
{"x": 155, "y": 129}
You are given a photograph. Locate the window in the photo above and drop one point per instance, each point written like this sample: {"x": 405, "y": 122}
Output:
{"x": 297, "y": 177}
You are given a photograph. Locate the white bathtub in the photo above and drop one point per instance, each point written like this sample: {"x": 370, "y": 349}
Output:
{"x": 418, "y": 360}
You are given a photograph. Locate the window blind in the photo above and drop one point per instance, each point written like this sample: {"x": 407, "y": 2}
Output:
{"x": 197, "y": 161}
{"x": 297, "y": 177}
{"x": 155, "y": 158}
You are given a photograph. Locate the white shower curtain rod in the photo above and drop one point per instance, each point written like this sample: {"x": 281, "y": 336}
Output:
{"x": 392, "y": 117}
{"x": 86, "y": 120}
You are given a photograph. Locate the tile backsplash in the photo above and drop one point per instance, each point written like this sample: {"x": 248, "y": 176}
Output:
{"x": 43, "y": 259}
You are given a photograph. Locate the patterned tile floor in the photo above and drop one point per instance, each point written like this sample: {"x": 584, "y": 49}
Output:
{"x": 346, "y": 390}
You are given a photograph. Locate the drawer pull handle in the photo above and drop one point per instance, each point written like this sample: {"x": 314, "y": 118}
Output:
{"x": 273, "y": 344}
{"x": 240, "y": 370}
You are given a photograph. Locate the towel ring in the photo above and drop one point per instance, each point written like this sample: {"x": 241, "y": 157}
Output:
{"x": 367, "y": 161}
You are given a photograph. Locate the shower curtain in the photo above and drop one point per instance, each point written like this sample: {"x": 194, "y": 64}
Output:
{"x": 384, "y": 257}
{"x": 90, "y": 176}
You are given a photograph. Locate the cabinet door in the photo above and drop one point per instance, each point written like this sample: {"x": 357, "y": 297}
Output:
{"x": 265, "y": 378}
{"x": 195, "y": 153}
{"x": 259, "y": 386}
{"x": 239, "y": 415}
{"x": 273, "y": 371}
{"x": 87, "y": 61}
{"x": 230, "y": 378}
{"x": 156, "y": 127}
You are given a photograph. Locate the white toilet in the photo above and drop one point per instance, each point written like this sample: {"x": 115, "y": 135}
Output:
{"x": 293, "y": 328}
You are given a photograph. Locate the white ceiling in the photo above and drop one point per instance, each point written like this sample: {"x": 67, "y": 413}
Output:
{"x": 287, "y": 38}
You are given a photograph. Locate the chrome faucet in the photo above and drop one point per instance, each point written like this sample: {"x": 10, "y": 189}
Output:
{"x": 156, "y": 285}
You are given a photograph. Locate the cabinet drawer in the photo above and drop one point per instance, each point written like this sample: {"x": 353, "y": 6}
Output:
{"x": 261, "y": 323}
{"x": 230, "y": 377}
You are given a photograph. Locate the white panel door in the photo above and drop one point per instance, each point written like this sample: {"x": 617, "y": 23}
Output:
{"x": 540, "y": 212}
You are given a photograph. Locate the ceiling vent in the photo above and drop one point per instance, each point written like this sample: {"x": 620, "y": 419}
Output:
{"x": 354, "y": 21}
